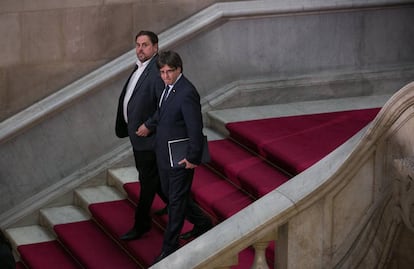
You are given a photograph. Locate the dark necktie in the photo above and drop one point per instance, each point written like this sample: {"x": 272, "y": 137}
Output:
{"x": 166, "y": 92}
{"x": 164, "y": 95}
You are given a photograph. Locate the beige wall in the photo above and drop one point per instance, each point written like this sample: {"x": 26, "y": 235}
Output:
{"x": 46, "y": 44}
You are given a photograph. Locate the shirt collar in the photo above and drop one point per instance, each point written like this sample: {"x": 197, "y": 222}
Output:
{"x": 179, "y": 76}
{"x": 144, "y": 64}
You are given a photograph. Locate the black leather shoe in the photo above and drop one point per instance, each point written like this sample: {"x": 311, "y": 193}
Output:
{"x": 195, "y": 232}
{"x": 133, "y": 234}
{"x": 162, "y": 211}
{"x": 160, "y": 257}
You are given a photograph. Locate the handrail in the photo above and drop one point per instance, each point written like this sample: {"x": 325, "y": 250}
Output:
{"x": 41, "y": 110}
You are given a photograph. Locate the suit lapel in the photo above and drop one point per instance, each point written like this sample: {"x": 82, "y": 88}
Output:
{"x": 124, "y": 89}
{"x": 172, "y": 94}
{"x": 144, "y": 75}
{"x": 165, "y": 103}
{"x": 141, "y": 79}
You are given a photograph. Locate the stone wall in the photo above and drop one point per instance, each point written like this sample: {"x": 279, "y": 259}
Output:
{"x": 323, "y": 50}
{"x": 320, "y": 51}
{"x": 45, "y": 45}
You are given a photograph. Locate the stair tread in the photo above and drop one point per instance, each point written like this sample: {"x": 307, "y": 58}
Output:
{"x": 63, "y": 214}
{"x": 117, "y": 217}
{"x": 34, "y": 255}
{"x": 298, "y": 145}
{"x": 124, "y": 174}
{"x": 92, "y": 247}
{"x": 29, "y": 234}
{"x": 244, "y": 168}
{"x": 217, "y": 196}
{"x": 99, "y": 194}
{"x": 133, "y": 190}
{"x": 261, "y": 178}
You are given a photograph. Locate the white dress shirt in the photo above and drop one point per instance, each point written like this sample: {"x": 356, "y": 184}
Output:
{"x": 131, "y": 85}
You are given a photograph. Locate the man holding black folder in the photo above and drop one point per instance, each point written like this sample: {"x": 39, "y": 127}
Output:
{"x": 178, "y": 119}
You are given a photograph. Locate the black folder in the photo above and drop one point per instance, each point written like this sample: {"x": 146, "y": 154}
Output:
{"x": 177, "y": 150}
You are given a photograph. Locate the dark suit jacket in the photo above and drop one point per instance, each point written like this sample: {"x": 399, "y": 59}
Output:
{"x": 6, "y": 256}
{"x": 141, "y": 106}
{"x": 180, "y": 117}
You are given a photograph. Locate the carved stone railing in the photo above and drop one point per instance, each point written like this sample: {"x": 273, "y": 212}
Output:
{"x": 343, "y": 212}
{"x": 405, "y": 190}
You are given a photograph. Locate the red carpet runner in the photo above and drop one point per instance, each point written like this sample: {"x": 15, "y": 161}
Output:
{"x": 259, "y": 156}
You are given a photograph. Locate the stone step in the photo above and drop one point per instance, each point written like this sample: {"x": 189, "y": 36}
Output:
{"x": 119, "y": 176}
{"x": 49, "y": 217}
{"x": 98, "y": 194}
{"x": 28, "y": 235}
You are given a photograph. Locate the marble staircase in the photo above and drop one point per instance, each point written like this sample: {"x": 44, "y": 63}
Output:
{"x": 113, "y": 190}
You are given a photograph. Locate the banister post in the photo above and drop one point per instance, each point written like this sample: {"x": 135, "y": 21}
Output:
{"x": 260, "y": 251}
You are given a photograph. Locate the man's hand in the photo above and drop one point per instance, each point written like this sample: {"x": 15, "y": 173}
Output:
{"x": 143, "y": 130}
{"x": 188, "y": 165}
